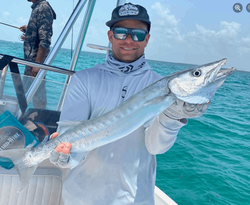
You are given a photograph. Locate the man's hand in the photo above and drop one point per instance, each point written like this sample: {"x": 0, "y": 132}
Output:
{"x": 35, "y": 70}
{"x": 60, "y": 156}
{"x": 23, "y": 28}
{"x": 180, "y": 109}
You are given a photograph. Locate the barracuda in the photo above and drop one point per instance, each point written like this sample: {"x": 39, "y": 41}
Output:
{"x": 196, "y": 86}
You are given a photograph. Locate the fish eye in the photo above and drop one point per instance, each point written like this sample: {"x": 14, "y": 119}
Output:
{"x": 197, "y": 73}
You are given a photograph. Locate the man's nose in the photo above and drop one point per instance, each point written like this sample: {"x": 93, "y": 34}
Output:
{"x": 129, "y": 38}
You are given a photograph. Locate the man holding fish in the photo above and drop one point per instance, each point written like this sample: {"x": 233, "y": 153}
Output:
{"x": 117, "y": 116}
{"x": 124, "y": 171}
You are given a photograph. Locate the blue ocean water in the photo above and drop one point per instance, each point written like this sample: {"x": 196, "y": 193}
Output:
{"x": 209, "y": 163}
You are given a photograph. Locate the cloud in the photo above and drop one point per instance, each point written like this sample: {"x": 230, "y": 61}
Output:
{"x": 22, "y": 21}
{"x": 199, "y": 45}
{"x": 228, "y": 33}
{"x": 6, "y": 14}
{"x": 165, "y": 23}
{"x": 164, "y": 14}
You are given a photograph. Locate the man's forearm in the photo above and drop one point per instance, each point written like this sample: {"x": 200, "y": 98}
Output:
{"x": 39, "y": 59}
{"x": 161, "y": 134}
{"x": 41, "y": 54}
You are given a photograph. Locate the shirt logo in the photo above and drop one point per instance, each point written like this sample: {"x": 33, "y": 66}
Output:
{"x": 124, "y": 91}
{"x": 128, "y": 10}
{"x": 126, "y": 69}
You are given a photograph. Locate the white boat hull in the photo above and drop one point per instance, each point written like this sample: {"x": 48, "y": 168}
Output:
{"x": 161, "y": 198}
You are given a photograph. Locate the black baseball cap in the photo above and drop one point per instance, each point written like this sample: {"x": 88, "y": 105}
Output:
{"x": 129, "y": 11}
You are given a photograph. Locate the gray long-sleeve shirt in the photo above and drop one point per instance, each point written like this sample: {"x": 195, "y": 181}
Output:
{"x": 124, "y": 171}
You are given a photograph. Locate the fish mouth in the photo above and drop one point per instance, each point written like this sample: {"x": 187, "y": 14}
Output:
{"x": 223, "y": 74}
{"x": 212, "y": 70}
{"x": 216, "y": 74}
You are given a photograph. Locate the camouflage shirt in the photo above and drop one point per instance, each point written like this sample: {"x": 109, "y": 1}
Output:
{"x": 39, "y": 29}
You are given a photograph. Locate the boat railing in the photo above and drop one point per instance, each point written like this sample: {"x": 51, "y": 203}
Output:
{"x": 10, "y": 61}
{"x": 40, "y": 65}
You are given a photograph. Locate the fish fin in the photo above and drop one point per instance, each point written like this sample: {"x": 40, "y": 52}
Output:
{"x": 25, "y": 173}
{"x": 17, "y": 157}
{"x": 77, "y": 158}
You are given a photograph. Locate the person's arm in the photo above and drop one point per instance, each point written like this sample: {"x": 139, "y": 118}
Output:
{"x": 39, "y": 59}
{"x": 75, "y": 108}
{"x": 161, "y": 134}
{"x": 45, "y": 32}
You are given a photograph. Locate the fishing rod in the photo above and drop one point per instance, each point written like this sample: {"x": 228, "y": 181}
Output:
{"x": 9, "y": 25}
{"x": 21, "y": 36}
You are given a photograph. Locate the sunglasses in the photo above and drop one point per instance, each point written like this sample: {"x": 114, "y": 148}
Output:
{"x": 122, "y": 33}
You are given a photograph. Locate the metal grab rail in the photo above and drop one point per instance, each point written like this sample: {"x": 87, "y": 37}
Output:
{"x": 40, "y": 65}
{"x": 12, "y": 61}
{"x": 80, "y": 40}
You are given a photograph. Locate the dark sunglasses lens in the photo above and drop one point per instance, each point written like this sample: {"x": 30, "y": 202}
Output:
{"x": 120, "y": 33}
{"x": 138, "y": 35}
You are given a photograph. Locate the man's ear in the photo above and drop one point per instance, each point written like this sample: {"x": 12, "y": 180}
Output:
{"x": 147, "y": 39}
{"x": 110, "y": 36}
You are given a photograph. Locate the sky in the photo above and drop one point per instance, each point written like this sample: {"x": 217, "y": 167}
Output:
{"x": 182, "y": 31}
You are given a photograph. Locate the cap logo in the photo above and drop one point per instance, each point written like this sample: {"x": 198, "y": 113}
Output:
{"x": 128, "y": 10}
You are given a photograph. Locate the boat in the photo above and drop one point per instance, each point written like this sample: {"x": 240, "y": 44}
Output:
{"x": 46, "y": 184}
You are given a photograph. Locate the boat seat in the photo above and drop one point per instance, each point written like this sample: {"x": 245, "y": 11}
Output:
{"x": 44, "y": 187}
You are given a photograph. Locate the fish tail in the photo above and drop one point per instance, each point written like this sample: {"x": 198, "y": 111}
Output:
{"x": 24, "y": 170}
